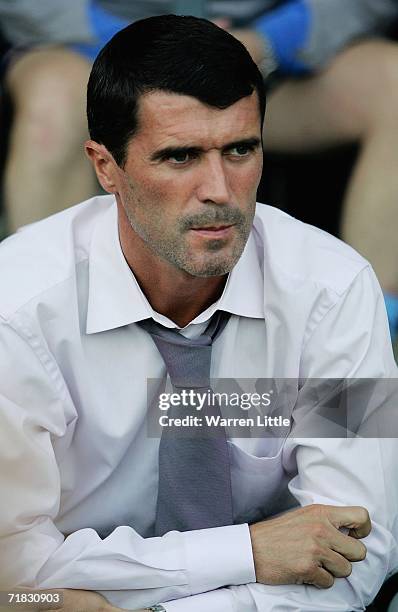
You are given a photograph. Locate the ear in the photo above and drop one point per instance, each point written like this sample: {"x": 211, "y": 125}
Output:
{"x": 104, "y": 164}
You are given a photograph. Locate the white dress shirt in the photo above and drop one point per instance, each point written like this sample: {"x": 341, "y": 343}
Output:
{"x": 78, "y": 474}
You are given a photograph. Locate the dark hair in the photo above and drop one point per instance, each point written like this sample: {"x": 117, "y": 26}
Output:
{"x": 183, "y": 55}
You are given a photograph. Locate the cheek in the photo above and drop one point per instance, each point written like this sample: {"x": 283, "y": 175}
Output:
{"x": 247, "y": 181}
{"x": 156, "y": 206}
{"x": 257, "y": 170}
{"x": 167, "y": 192}
{"x": 144, "y": 198}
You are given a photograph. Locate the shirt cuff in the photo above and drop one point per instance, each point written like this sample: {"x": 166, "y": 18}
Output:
{"x": 215, "y": 601}
{"x": 218, "y": 557}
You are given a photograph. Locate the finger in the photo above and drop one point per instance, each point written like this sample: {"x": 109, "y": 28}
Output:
{"x": 360, "y": 533}
{"x": 321, "y": 579}
{"x": 349, "y": 547}
{"x": 355, "y": 518}
{"x": 336, "y": 564}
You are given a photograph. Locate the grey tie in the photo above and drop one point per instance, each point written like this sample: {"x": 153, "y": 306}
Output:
{"x": 194, "y": 472}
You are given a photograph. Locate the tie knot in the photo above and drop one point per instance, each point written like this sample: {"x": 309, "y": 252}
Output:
{"x": 187, "y": 360}
{"x": 188, "y": 365}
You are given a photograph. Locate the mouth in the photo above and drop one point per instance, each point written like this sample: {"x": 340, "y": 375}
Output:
{"x": 213, "y": 231}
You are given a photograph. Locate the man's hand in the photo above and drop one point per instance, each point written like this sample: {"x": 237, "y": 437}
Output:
{"x": 305, "y": 546}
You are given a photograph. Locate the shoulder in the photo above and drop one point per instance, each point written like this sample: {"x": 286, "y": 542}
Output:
{"x": 45, "y": 254}
{"x": 301, "y": 253}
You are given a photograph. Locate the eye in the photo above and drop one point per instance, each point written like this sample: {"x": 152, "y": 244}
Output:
{"x": 240, "y": 150}
{"x": 180, "y": 157}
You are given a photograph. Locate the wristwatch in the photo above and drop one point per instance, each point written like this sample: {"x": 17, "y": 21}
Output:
{"x": 157, "y": 608}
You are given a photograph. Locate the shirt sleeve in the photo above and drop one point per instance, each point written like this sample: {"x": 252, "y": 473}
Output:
{"x": 337, "y": 24}
{"x": 35, "y": 413}
{"x": 306, "y": 34}
{"x": 349, "y": 339}
{"x": 83, "y": 25}
{"x": 104, "y": 25}
{"x": 287, "y": 29}
{"x": 47, "y": 22}
{"x": 336, "y": 472}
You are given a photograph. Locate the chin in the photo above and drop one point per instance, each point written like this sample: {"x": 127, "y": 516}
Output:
{"x": 209, "y": 269}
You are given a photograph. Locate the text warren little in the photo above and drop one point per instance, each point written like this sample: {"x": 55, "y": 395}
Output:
{"x": 219, "y": 421}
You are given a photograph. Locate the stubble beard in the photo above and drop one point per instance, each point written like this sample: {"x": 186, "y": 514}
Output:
{"x": 174, "y": 250}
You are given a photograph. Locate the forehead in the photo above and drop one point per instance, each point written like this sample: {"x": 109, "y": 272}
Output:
{"x": 171, "y": 119}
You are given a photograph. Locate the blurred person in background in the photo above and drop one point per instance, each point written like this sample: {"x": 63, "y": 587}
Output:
{"x": 332, "y": 72}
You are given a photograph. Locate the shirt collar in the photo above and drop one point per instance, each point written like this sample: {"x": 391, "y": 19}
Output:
{"x": 115, "y": 298}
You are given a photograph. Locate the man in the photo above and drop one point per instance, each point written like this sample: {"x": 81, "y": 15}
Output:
{"x": 90, "y": 299}
{"x": 339, "y": 47}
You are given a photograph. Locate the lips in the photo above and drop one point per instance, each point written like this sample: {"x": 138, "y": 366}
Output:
{"x": 212, "y": 231}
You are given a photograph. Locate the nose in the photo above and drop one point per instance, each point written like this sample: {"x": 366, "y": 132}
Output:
{"x": 213, "y": 187}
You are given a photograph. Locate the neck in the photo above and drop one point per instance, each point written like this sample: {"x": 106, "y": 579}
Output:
{"x": 173, "y": 293}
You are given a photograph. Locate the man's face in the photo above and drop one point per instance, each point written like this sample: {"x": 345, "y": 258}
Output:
{"x": 189, "y": 184}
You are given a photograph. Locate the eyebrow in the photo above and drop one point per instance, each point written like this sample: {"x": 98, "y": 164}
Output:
{"x": 166, "y": 152}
